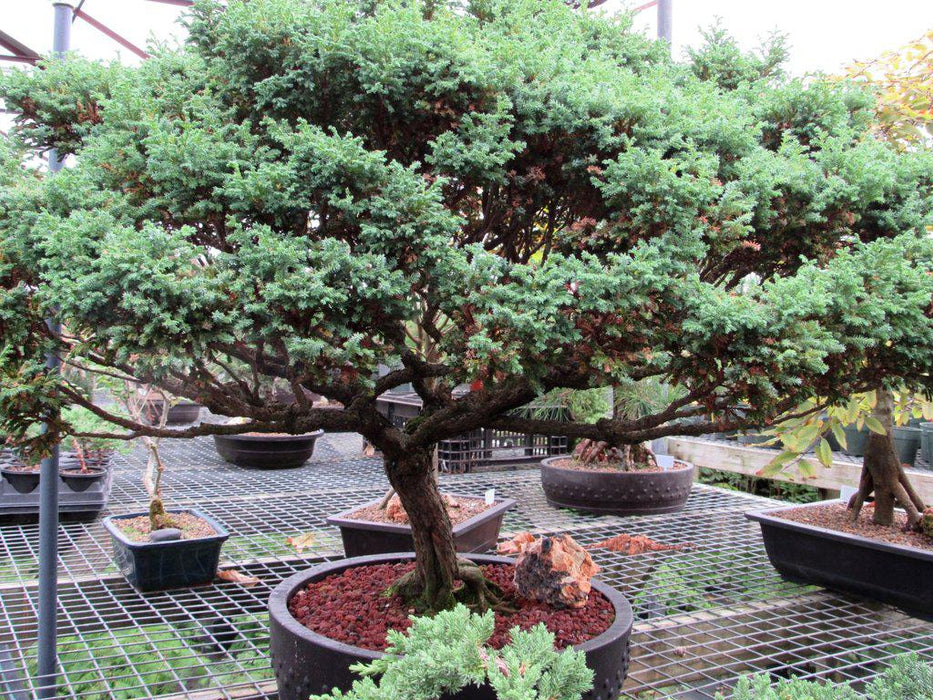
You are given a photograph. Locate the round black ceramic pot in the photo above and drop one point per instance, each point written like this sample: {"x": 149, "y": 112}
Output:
{"x": 267, "y": 451}
{"x": 618, "y": 492}
{"x": 307, "y": 663}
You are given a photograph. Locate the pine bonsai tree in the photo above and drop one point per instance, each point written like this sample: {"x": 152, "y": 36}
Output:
{"x": 571, "y": 207}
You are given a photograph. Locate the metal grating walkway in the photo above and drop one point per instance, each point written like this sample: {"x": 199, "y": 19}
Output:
{"x": 707, "y": 612}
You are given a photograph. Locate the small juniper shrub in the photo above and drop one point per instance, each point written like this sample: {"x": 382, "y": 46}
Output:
{"x": 449, "y": 651}
{"x": 907, "y": 678}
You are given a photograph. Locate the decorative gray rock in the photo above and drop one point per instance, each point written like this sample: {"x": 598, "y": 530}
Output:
{"x": 166, "y": 534}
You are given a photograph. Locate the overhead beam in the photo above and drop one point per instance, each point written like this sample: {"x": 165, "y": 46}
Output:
{"x": 107, "y": 31}
{"x": 18, "y": 48}
{"x": 18, "y": 59}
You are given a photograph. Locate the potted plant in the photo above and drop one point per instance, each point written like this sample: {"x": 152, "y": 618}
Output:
{"x": 624, "y": 480}
{"x": 161, "y": 549}
{"x": 454, "y": 649}
{"x": 89, "y": 460}
{"x": 552, "y": 219}
{"x": 271, "y": 450}
{"x": 85, "y": 471}
{"x": 877, "y": 551}
{"x": 627, "y": 480}
{"x": 180, "y": 410}
{"x": 382, "y": 525}
{"x": 259, "y": 450}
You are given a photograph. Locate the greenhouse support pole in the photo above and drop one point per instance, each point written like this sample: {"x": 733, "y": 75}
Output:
{"x": 47, "y": 671}
{"x": 666, "y": 20}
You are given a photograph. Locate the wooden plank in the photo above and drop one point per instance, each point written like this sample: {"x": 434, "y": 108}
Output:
{"x": 741, "y": 459}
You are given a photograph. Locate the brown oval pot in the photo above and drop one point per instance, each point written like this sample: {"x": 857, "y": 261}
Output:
{"x": 307, "y": 663}
{"x": 618, "y": 492}
{"x": 364, "y": 537}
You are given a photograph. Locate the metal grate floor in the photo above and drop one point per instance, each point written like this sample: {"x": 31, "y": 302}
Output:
{"x": 706, "y": 612}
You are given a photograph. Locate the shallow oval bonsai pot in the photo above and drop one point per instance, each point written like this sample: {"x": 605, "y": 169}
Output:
{"x": 78, "y": 480}
{"x": 306, "y": 662}
{"x": 267, "y": 451}
{"x": 22, "y": 481}
{"x": 156, "y": 566}
{"x": 364, "y": 537}
{"x": 618, "y": 492}
{"x": 892, "y": 573}
{"x": 179, "y": 413}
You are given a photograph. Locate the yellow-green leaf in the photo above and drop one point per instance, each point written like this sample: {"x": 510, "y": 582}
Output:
{"x": 807, "y": 470}
{"x": 840, "y": 434}
{"x": 824, "y": 453}
{"x": 874, "y": 425}
{"x": 778, "y": 463}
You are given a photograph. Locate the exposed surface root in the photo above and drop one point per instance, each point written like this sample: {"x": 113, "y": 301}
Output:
{"x": 474, "y": 591}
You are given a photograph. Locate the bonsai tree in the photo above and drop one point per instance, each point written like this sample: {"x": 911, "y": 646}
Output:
{"x": 882, "y": 472}
{"x": 535, "y": 187}
{"x": 88, "y": 449}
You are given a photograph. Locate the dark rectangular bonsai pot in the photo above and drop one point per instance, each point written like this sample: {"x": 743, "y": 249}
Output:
{"x": 363, "y": 537}
{"x": 891, "y": 573}
{"x": 156, "y": 566}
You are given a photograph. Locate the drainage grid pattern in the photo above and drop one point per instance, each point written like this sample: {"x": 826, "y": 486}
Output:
{"x": 705, "y": 613}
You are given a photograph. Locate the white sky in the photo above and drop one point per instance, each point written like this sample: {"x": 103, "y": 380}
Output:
{"x": 824, "y": 35}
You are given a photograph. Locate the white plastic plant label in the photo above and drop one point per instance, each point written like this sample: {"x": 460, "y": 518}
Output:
{"x": 490, "y": 497}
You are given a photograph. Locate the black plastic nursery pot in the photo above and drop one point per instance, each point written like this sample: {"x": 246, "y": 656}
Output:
{"x": 856, "y": 440}
{"x": 891, "y": 573}
{"x": 306, "y": 662}
{"x": 926, "y": 442}
{"x": 618, "y": 492}
{"x": 22, "y": 481}
{"x": 267, "y": 451}
{"x": 77, "y": 499}
{"x": 156, "y": 566}
{"x": 78, "y": 480}
{"x": 906, "y": 442}
{"x": 364, "y": 537}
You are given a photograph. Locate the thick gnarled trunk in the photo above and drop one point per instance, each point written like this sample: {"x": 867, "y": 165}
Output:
{"x": 883, "y": 474}
{"x": 413, "y": 479}
{"x": 432, "y": 586}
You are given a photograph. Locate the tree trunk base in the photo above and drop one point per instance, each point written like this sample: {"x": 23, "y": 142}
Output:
{"x": 474, "y": 591}
{"x": 883, "y": 475}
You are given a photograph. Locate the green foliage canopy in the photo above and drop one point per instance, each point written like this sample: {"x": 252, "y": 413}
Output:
{"x": 577, "y": 208}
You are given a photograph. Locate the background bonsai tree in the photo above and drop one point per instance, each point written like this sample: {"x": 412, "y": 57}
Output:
{"x": 537, "y": 188}
{"x": 901, "y": 82}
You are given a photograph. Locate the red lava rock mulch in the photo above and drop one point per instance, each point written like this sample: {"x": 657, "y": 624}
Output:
{"x": 835, "y": 516}
{"x": 577, "y": 465}
{"x": 636, "y": 544}
{"x": 464, "y": 509}
{"x": 192, "y": 527}
{"x": 350, "y": 607}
